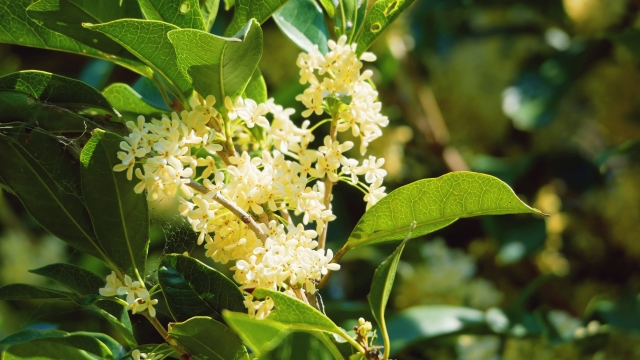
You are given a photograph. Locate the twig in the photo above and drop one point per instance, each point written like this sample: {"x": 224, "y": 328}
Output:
{"x": 235, "y": 210}
{"x": 165, "y": 335}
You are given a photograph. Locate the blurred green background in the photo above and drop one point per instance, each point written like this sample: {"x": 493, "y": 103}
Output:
{"x": 543, "y": 94}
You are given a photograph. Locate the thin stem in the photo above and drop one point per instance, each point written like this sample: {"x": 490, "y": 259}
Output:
{"x": 328, "y": 184}
{"x": 319, "y": 123}
{"x": 352, "y": 342}
{"x": 344, "y": 19}
{"x": 336, "y": 258}
{"x": 241, "y": 214}
{"x": 165, "y": 335}
{"x": 115, "y": 300}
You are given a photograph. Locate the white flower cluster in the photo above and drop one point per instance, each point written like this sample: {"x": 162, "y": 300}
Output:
{"x": 283, "y": 176}
{"x": 338, "y": 74}
{"x": 138, "y": 296}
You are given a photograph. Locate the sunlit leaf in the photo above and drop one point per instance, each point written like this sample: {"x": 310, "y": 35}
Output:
{"x": 206, "y": 338}
{"x": 183, "y": 14}
{"x": 192, "y": 288}
{"x": 434, "y": 204}
{"x": 120, "y": 216}
{"x": 218, "y": 66}
{"x": 259, "y": 335}
{"x": 381, "y": 15}
{"x": 209, "y": 11}
{"x": 129, "y": 103}
{"x": 303, "y": 22}
{"x": 246, "y": 10}
{"x": 304, "y": 345}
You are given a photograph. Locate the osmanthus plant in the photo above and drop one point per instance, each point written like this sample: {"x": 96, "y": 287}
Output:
{"x": 247, "y": 174}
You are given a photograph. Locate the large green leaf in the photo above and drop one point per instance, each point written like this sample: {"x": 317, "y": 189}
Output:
{"x": 120, "y": 216}
{"x": 381, "y": 15}
{"x": 47, "y": 182}
{"x": 381, "y": 286}
{"x": 434, "y": 204}
{"x": 147, "y": 39}
{"x": 16, "y": 27}
{"x": 87, "y": 284}
{"x": 183, "y": 14}
{"x": 192, "y": 288}
{"x": 304, "y": 345}
{"x": 32, "y": 292}
{"x": 206, "y": 338}
{"x": 303, "y": 22}
{"x": 209, "y": 11}
{"x": 246, "y": 10}
{"x": 260, "y": 336}
{"x": 424, "y": 322}
{"x": 51, "y": 88}
{"x": 54, "y": 345}
{"x": 129, "y": 103}
{"x": 218, "y": 66}
{"x": 297, "y": 314}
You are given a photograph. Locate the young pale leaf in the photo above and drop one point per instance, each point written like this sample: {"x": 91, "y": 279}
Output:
{"x": 129, "y": 103}
{"x": 56, "y": 89}
{"x": 328, "y": 7}
{"x": 192, "y": 288}
{"x": 297, "y": 314}
{"x": 381, "y": 286}
{"x": 382, "y": 14}
{"x": 259, "y": 335}
{"x": 84, "y": 282}
{"x": 260, "y": 10}
{"x": 206, "y": 338}
{"x": 424, "y": 322}
{"x": 183, "y": 14}
{"x": 64, "y": 18}
{"x": 434, "y": 204}
{"x": 147, "y": 40}
{"x": 303, "y": 22}
{"x": 32, "y": 292}
{"x": 47, "y": 182}
{"x": 218, "y": 66}
{"x": 209, "y": 11}
{"x": 120, "y": 216}
{"x": 45, "y": 345}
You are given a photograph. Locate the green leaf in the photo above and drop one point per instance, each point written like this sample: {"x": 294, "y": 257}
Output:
{"x": 32, "y": 292}
{"x": 163, "y": 349}
{"x": 209, "y": 11}
{"x": 381, "y": 286}
{"x": 228, "y": 4}
{"x": 183, "y": 14}
{"x": 218, "y": 66}
{"x": 14, "y": 20}
{"x": 260, "y": 335}
{"x": 121, "y": 323}
{"x": 51, "y": 88}
{"x": 47, "y": 182}
{"x": 120, "y": 216}
{"x": 147, "y": 40}
{"x": 424, "y": 322}
{"x": 260, "y": 10}
{"x": 434, "y": 204}
{"x": 206, "y": 338}
{"x": 129, "y": 103}
{"x": 41, "y": 345}
{"x": 304, "y": 345}
{"x": 295, "y": 313}
{"x": 256, "y": 88}
{"x": 381, "y": 15}
{"x": 192, "y": 288}
{"x": 303, "y": 22}
{"x": 328, "y": 7}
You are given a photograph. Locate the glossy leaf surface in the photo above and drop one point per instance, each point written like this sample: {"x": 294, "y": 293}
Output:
{"x": 129, "y": 103}
{"x": 246, "y": 10}
{"x": 303, "y": 22}
{"x": 206, "y": 338}
{"x": 260, "y": 336}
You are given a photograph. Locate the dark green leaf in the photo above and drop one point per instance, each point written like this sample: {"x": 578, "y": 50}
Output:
{"x": 183, "y": 14}
{"x": 150, "y": 93}
{"x": 55, "y": 345}
{"x": 121, "y": 323}
{"x": 303, "y": 22}
{"x": 209, "y": 11}
{"x": 147, "y": 40}
{"x": 47, "y": 181}
{"x": 192, "y": 288}
{"x": 381, "y": 286}
{"x": 129, "y": 103}
{"x": 206, "y": 338}
{"x": 56, "y": 89}
{"x": 260, "y": 336}
{"x": 120, "y": 216}
{"x": 56, "y": 25}
{"x": 218, "y": 66}
{"x": 245, "y": 10}
{"x": 304, "y": 345}
{"x": 32, "y": 292}
{"x": 434, "y": 204}
{"x": 381, "y": 15}
{"x": 424, "y": 322}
